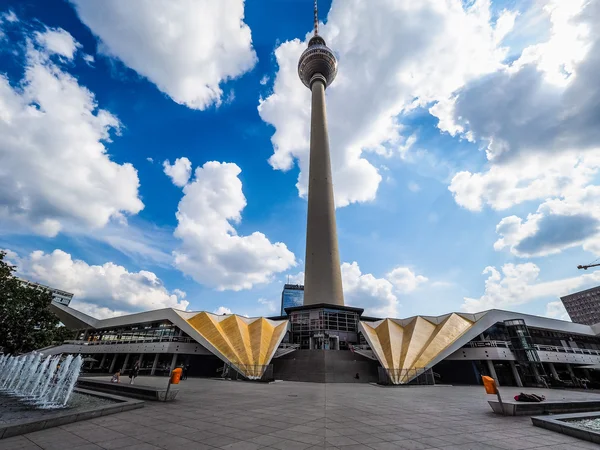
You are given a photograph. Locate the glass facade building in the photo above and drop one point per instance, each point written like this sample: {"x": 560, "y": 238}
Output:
{"x": 324, "y": 328}
{"x": 292, "y": 296}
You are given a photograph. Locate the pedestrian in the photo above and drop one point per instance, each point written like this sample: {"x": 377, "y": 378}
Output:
{"x": 133, "y": 373}
{"x": 184, "y": 372}
{"x": 116, "y": 378}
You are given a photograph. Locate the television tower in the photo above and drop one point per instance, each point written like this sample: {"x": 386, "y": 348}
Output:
{"x": 317, "y": 69}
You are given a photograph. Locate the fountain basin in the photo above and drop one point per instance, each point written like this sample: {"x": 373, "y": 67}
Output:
{"x": 20, "y": 418}
{"x": 580, "y": 425}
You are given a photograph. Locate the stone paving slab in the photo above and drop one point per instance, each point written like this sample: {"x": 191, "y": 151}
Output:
{"x": 210, "y": 414}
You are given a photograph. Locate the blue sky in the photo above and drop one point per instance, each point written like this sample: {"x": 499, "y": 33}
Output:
{"x": 461, "y": 140}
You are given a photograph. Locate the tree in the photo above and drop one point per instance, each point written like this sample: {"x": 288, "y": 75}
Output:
{"x": 26, "y": 322}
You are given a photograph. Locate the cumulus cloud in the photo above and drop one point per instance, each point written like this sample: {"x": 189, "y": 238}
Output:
{"x": 378, "y": 296}
{"x": 537, "y": 116}
{"x": 404, "y": 279}
{"x": 517, "y": 284}
{"x": 538, "y": 119}
{"x": 100, "y": 290}
{"x": 211, "y": 251}
{"x": 179, "y": 172}
{"x": 558, "y": 224}
{"x": 556, "y": 310}
{"x": 373, "y": 294}
{"x": 187, "y": 48}
{"x": 388, "y": 70}
{"x": 58, "y": 41}
{"x": 54, "y": 166}
{"x": 222, "y": 310}
{"x": 269, "y": 305}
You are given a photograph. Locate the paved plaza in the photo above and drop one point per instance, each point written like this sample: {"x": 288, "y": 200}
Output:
{"x": 212, "y": 414}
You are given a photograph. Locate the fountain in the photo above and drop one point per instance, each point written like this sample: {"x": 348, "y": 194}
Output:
{"x": 45, "y": 383}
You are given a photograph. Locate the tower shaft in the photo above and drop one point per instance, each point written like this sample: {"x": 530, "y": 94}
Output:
{"x": 322, "y": 278}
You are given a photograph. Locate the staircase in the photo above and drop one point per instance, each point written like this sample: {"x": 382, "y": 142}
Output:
{"x": 285, "y": 349}
{"x": 325, "y": 366}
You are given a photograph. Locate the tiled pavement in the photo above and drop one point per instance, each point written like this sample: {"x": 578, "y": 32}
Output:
{"x": 212, "y": 414}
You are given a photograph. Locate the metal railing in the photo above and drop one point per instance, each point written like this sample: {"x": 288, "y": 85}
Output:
{"x": 419, "y": 376}
{"x": 148, "y": 340}
{"x": 253, "y": 372}
{"x": 561, "y": 349}
{"x": 482, "y": 344}
{"x": 287, "y": 345}
{"x": 360, "y": 347}
{"x": 539, "y": 347}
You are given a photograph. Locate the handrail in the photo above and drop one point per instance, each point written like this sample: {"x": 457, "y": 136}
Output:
{"x": 539, "y": 347}
{"x": 131, "y": 341}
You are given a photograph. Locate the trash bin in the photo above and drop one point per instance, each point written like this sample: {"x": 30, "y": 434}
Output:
{"x": 176, "y": 375}
{"x": 490, "y": 385}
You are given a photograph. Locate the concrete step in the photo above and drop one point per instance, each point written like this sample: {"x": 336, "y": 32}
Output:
{"x": 325, "y": 366}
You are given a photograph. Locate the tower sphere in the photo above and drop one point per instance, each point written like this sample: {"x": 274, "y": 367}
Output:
{"x": 317, "y": 59}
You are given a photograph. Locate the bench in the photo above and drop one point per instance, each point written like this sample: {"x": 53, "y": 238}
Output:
{"x": 514, "y": 408}
{"x": 128, "y": 390}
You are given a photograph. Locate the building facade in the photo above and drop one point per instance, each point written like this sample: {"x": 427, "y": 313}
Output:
{"x": 325, "y": 343}
{"x": 62, "y": 297}
{"x": 583, "y": 307}
{"x": 291, "y": 296}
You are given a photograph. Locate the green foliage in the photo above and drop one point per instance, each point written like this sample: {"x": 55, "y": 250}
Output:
{"x": 26, "y": 322}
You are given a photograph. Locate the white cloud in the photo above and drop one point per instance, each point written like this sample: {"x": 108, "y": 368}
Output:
{"x": 264, "y": 80}
{"x": 58, "y": 41}
{"x": 187, "y": 48}
{"x": 10, "y": 16}
{"x": 211, "y": 251}
{"x": 106, "y": 290}
{"x": 558, "y": 224}
{"x": 179, "y": 172}
{"x": 537, "y": 116}
{"x": 409, "y": 67}
{"x": 556, "y": 310}
{"x": 222, "y": 310}
{"x": 518, "y": 284}
{"x": 54, "y": 167}
{"x": 533, "y": 176}
{"x": 413, "y": 187}
{"x": 404, "y": 279}
{"x": 373, "y": 294}
{"x": 270, "y": 305}
{"x": 295, "y": 278}
{"x": 150, "y": 160}
{"x": 89, "y": 59}
{"x": 376, "y": 295}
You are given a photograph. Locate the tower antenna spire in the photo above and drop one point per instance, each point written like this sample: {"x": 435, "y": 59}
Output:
{"x": 316, "y": 19}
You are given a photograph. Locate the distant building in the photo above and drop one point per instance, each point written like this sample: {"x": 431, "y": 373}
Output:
{"x": 62, "y": 297}
{"x": 292, "y": 295}
{"x": 583, "y": 307}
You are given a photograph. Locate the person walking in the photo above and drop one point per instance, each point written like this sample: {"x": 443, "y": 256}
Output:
{"x": 185, "y": 369}
{"x": 133, "y": 373}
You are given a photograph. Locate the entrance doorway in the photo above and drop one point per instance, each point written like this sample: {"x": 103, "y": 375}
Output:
{"x": 324, "y": 342}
